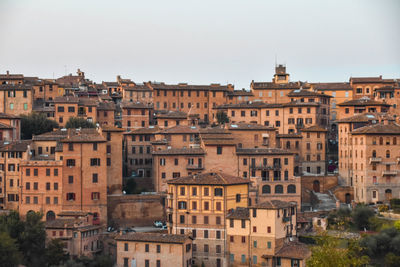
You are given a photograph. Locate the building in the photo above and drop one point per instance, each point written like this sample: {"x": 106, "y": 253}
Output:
{"x": 361, "y": 105}
{"x": 16, "y": 99}
{"x": 253, "y": 135}
{"x": 193, "y": 99}
{"x": 314, "y": 150}
{"x": 170, "y": 118}
{"x": 10, "y": 127}
{"x": 366, "y": 86}
{"x": 137, "y": 93}
{"x": 85, "y": 179}
{"x": 11, "y": 155}
{"x": 135, "y": 115}
{"x": 154, "y": 249}
{"x": 260, "y": 234}
{"x": 77, "y": 232}
{"x": 198, "y": 205}
{"x": 106, "y": 112}
{"x": 374, "y": 162}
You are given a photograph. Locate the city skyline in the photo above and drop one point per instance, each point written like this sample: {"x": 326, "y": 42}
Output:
{"x": 215, "y": 44}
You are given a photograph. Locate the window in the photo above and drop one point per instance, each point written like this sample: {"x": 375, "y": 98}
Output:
{"x": 219, "y": 150}
{"x": 243, "y": 223}
{"x": 55, "y": 172}
{"x": 218, "y": 234}
{"x": 218, "y": 220}
{"x": 254, "y": 259}
{"x": 95, "y": 178}
{"x": 194, "y": 219}
{"x": 95, "y": 195}
{"x": 278, "y": 189}
{"x": 70, "y": 196}
{"x": 205, "y": 219}
{"x": 182, "y": 205}
{"x": 182, "y": 219}
{"x": 205, "y": 248}
{"x": 218, "y": 249}
{"x": 205, "y": 233}
{"x": 218, "y": 206}
{"x": 231, "y": 223}
{"x": 70, "y": 179}
{"x": 269, "y": 244}
{"x": 126, "y": 246}
{"x": 28, "y": 200}
{"x": 238, "y": 197}
{"x": 194, "y": 205}
{"x": 70, "y": 162}
{"x": 70, "y": 147}
{"x": 35, "y": 186}
{"x": 146, "y": 247}
{"x": 182, "y": 191}
{"x": 243, "y": 258}
{"x": 55, "y": 186}
{"x": 94, "y": 162}
{"x": 206, "y": 205}
{"x": 269, "y": 229}
{"x": 243, "y": 239}
{"x": 71, "y": 109}
{"x": 94, "y": 146}
{"x": 254, "y": 229}
{"x": 206, "y": 191}
{"x": 162, "y": 162}
{"x": 47, "y": 186}
{"x": 291, "y": 189}
{"x": 218, "y": 192}
{"x": 158, "y": 248}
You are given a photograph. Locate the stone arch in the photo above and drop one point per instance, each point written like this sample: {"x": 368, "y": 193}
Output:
{"x": 266, "y": 189}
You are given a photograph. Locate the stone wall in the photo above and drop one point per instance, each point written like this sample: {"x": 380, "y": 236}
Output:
{"x": 135, "y": 210}
{"x": 326, "y": 183}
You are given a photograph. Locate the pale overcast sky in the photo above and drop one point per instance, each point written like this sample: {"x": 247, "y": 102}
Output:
{"x": 201, "y": 41}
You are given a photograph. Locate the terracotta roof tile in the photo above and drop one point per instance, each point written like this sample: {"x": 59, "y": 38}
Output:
{"x": 249, "y": 126}
{"x": 294, "y": 250}
{"x": 379, "y": 128}
{"x": 262, "y": 151}
{"x": 153, "y": 237}
{"x": 170, "y": 114}
{"x": 210, "y": 178}
{"x": 363, "y": 102}
{"x": 274, "y": 204}
{"x": 180, "y": 151}
{"x": 314, "y": 128}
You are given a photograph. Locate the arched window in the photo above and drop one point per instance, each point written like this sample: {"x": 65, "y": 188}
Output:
{"x": 380, "y": 140}
{"x": 50, "y": 216}
{"x": 266, "y": 189}
{"x": 387, "y": 154}
{"x": 291, "y": 189}
{"x": 278, "y": 189}
{"x": 374, "y": 153}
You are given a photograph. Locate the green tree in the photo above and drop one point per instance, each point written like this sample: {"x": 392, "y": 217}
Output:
{"x": 329, "y": 253}
{"x": 397, "y": 225}
{"x": 36, "y": 123}
{"x": 9, "y": 254}
{"x": 130, "y": 186}
{"x": 55, "y": 254}
{"x": 392, "y": 260}
{"x": 361, "y": 216}
{"x": 32, "y": 240}
{"x": 222, "y": 117}
{"x": 75, "y": 123}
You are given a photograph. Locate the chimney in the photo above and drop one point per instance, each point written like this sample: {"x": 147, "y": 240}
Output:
{"x": 8, "y": 73}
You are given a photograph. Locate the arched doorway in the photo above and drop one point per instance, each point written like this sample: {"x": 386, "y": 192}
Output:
{"x": 347, "y": 198}
{"x": 388, "y": 194}
{"x": 316, "y": 186}
{"x": 50, "y": 216}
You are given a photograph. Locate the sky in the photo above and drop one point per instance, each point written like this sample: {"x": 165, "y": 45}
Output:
{"x": 201, "y": 42}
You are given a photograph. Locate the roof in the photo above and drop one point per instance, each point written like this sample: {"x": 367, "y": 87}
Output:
{"x": 153, "y": 237}
{"x": 72, "y": 213}
{"x": 185, "y": 86}
{"x": 390, "y": 128}
{"x": 272, "y": 85}
{"x": 179, "y": 129}
{"x": 332, "y": 86}
{"x": 289, "y": 135}
{"x": 180, "y": 151}
{"x": 51, "y": 136}
{"x": 366, "y": 79}
{"x": 218, "y": 142}
{"x": 210, "y": 178}
{"x": 365, "y": 117}
{"x": 135, "y": 105}
{"x": 363, "y": 102}
{"x": 314, "y": 128}
{"x": 88, "y": 135}
{"x": 249, "y": 104}
{"x": 274, "y": 204}
{"x": 299, "y": 103}
{"x": 66, "y": 99}
{"x": 15, "y": 146}
{"x": 249, "y": 126}
{"x": 170, "y": 114}
{"x": 240, "y": 93}
{"x": 239, "y": 213}
{"x": 8, "y": 116}
{"x": 15, "y": 87}
{"x": 262, "y": 151}
{"x": 110, "y": 128}
{"x": 294, "y": 250}
{"x": 60, "y": 223}
{"x": 137, "y": 87}
{"x": 144, "y": 130}
{"x": 303, "y": 92}
{"x": 5, "y": 126}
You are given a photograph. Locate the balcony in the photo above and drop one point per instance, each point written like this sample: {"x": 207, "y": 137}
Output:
{"x": 194, "y": 167}
{"x": 375, "y": 160}
{"x": 389, "y": 173}
{"x": 285, "y": 219}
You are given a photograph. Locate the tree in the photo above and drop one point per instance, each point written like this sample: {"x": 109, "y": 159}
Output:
{"x": 75, "y": 123}
{"x": 36, "y": 123}
{"x": 329, "y": 253}
{"x": 9, "y": 254}
{"x": 392, "y": 260}
{"x": 55, "y": 254}
{"x": 361, "y": 216}
{"x": 222, "y": 117}
{"x": 397, "y": 225}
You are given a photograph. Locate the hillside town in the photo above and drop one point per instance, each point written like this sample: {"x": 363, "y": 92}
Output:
{"x": 155, "y": 174}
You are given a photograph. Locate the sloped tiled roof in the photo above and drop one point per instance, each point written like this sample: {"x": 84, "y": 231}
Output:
{"x": 15, "y": 146}
{"x": 363, "y": 102}
{"x": 210, "y": 178}
{"x": 302, "y": 92}
{"x": 294, "y": 250}
{"x": 180, "y": 151}
{"x": 153, "y": 237}
{"x": 170, "y": 114}
{"x": 314, "y": 128}
{"x": 274, "y": 204}
{"x": 239, "y": 213}
{"x": 379, "y": 128}
{"x": 262, "y": 151}
{"x": 332, "y": 86}
{"x": 249, "y": 126}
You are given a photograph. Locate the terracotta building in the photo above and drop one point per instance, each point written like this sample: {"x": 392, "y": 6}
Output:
{"x": 11, "y": 155}
{"x": 135, "y": 115}
{"x": 193, "y": 99}
{"x": 137, "y": 93}
{"x": 137, "y": 151}
{"x": 198, "y": 205}
{"x": 77, "y": 232}
{"x": 366, "y": 86}
{"x": 313, "y": 150}
{"x": 154, "y": 249}
{"x": 114, "y": 161}
{"x": 16, "y": 99}
{"x": 10, "y": 127}
{"x": 361, "y": 105}
{"x": 8, "y": 78}
{"x": 262, "y": 234}
{"x": 170, "y": 118}
{"x": 374, "y": 162}
{"x": 46, "y": 89}
{"x": 253, "y": 135}
{"x": 106, "y": 113}
{"x": 391, "y": 95}
{"x": 85, "y": 173}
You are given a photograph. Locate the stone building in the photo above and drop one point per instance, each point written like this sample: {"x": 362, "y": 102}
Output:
{"x": 361, "y": 105}
{"x": 154, "y": 249}
{"x": 16, "y": 99}
{"x": 135, "y": 115}
{"x": 198, "y": 205}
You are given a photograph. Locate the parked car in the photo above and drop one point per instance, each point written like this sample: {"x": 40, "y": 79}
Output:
{"x": 158, "y": 224}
